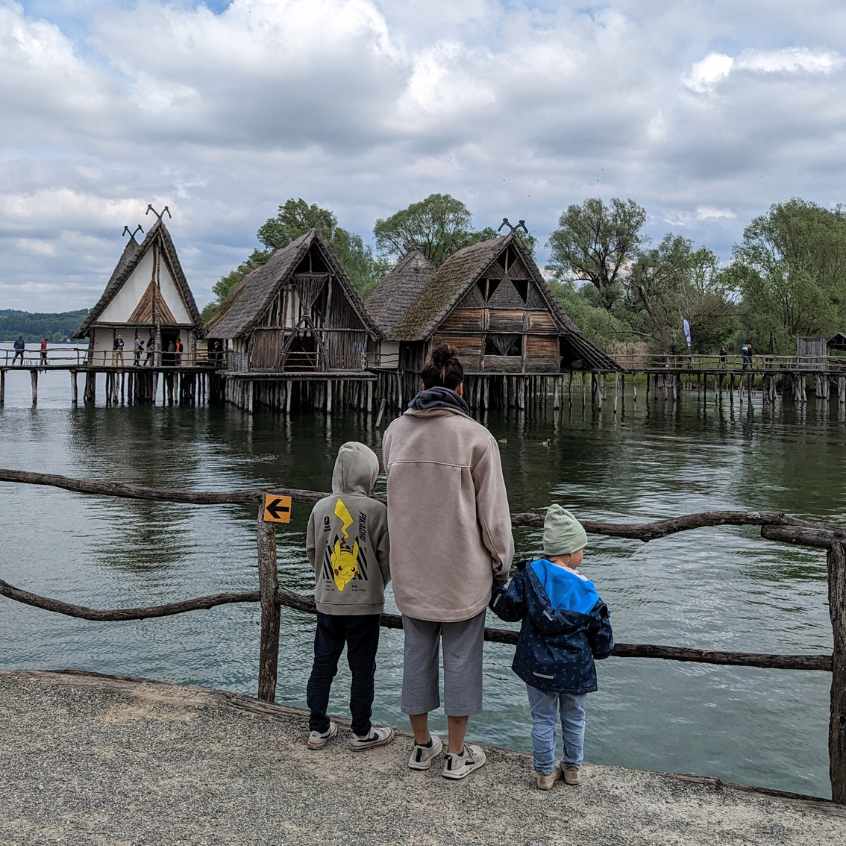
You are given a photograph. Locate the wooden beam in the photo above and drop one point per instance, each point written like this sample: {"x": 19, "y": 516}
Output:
{"x": 837, "y": 717}
{"x": 270, "y": 616}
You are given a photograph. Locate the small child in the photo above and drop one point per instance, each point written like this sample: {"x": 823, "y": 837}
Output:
{"x": 565, "y": 626}
{"x": 347, "y": 546}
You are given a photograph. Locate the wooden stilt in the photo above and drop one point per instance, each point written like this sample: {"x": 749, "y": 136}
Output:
{"x": 837, "y": 719}
{"x": 33, "y": 377}
{"x": 270, "y": 611}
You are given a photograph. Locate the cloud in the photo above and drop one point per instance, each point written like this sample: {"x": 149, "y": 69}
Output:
{"x": 715, "y": 68}
{"x": 363, "y": 106}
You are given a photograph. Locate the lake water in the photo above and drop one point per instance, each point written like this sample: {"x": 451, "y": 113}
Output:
{"x": 720, "y": 588}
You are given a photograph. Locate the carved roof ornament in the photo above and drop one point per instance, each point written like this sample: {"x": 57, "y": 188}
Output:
{"x": 132, "y": 233}
{"x": 521, "y": 224}
{"x": 160, "y": 214}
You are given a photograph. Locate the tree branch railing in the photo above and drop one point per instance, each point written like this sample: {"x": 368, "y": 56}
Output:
{"x": 775, "y": 526}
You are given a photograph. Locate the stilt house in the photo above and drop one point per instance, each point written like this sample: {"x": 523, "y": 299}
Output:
{"x": 147, "y": 298}
{"x": 298, "y": 313}
{"x": 491, "y": 303}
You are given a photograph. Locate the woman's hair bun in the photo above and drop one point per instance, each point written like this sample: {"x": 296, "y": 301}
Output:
{"x": 443, "y": 369}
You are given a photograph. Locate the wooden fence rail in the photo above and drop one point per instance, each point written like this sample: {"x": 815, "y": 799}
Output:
{"x": 774, "y": 526}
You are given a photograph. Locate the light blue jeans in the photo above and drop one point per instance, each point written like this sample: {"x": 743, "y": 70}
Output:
{"x": 545, "y": 712}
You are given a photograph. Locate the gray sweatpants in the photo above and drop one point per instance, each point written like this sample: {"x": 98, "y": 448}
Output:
{"x": 462, "y": 666}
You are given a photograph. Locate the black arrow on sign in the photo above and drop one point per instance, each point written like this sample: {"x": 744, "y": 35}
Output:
{"x": 276, "y": 509}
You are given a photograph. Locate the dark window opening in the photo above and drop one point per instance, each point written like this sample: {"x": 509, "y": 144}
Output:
{"x": 504, "y": 345}
{"x": 522, "y": 286}
{"x": 488, "y": 287}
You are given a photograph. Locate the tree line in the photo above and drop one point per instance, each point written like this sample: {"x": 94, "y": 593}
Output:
{"x": 56, "y": 328}
{"x": 786, "y": 277}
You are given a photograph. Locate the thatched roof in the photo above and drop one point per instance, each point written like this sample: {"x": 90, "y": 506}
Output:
{"x": 447, "y": 286}
{"x": 130, "y": 258}
{"x": 399, "y": 289}
{"x": 246, "y": 304}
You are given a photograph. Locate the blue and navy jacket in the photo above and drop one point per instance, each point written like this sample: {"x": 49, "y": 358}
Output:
{"x": 565, "y": 626}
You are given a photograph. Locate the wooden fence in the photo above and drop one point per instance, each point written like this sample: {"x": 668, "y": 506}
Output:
{"x": 774, "y": 526}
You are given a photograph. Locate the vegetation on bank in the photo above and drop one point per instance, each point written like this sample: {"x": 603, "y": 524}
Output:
{"x": 787, "y": 276}
{"x": 56, "y": 328}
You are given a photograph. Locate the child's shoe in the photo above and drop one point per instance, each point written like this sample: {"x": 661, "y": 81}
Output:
{"x": 546, "y": 781}
{"x": 377, "y": 737}
{"x": 460, "y": 764}
{"x": 422, "y": 756}
{"x": 571, "y": 775}
{"x": 317, "y": 739}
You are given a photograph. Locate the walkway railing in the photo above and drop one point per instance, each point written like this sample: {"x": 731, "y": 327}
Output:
{"x": 774, "y": 526}
{"x": 759, "y": 363}
{"x": 68, "y": 358}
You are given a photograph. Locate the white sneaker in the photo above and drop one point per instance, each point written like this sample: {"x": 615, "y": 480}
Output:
{"x": 422, "y": 756}
{"x": 377, "y": 737}
{"x": 317, "y": 740}
{"x": 460, "y": 765}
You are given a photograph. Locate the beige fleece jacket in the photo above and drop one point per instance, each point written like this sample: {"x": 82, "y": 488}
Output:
{"x": 448, "y": 515}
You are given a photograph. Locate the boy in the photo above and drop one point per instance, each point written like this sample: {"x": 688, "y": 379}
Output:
{"x": 347, "y": 546}
{"x": 565, "y": 626}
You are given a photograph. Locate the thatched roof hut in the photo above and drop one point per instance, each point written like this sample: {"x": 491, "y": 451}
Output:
{"x": 489, "y": 300}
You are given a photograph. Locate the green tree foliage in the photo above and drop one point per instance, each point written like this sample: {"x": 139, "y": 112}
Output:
{"x": 294, "y": 218}
{"x": 675, "y": 281}
{"x": 790, "y": 269}
{"x": 438, "y": 226}
{"x": 35, "y": 326}
{"x": 595, "y": 321}
{"x": 596, "y": 243}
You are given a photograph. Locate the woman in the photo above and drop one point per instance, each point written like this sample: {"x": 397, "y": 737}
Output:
{"x": 450, "y": 534}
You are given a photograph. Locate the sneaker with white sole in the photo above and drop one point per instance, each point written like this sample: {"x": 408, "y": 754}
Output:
{"x": 459, "y": 765}
{"x": 377, "y": 737}
{"x": 318, "y": 739}
{"x": 422, "y": 756}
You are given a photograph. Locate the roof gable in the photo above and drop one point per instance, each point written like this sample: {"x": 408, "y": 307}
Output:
{"x": 130, "y": 258}
{"x": 252, "y": 296}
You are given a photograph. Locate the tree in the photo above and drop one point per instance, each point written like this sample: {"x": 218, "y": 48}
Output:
{"x": 790, "y": 268}
{"x": 592, "y": 319}
{"x": 294, "y": 218}
{"x": 596, "y": 243}
{"x": 437, "y": 226}
{"x": 675, "y": 281}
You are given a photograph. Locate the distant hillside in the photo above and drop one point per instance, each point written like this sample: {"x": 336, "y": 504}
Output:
{"x": 55, "y": 327}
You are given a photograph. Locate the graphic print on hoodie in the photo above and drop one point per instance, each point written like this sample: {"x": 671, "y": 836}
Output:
{"x": 347, "y": 538}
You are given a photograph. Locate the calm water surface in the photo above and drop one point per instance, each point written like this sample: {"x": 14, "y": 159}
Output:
{"x": 713, "y": 588}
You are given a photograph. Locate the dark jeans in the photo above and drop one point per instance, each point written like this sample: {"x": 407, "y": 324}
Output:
{"x": 361, "y": 636}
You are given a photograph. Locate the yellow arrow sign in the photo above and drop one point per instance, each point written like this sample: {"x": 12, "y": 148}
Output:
{"x": 277, "y": 508}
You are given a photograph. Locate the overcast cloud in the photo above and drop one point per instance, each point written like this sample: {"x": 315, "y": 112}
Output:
{"x": 704, "y": 112}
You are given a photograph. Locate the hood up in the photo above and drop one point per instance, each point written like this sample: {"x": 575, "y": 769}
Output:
{"x": 356, "y": 469}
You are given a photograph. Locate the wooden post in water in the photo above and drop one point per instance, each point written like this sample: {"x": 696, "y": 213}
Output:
{"x": 33, "y": 378}
{"x": 270, "y": 611}
{"x": 2, "y": 388}
{"x": 837, "y": 720}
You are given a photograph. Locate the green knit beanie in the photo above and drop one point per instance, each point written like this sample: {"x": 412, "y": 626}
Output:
{"x": 562, "y": 532}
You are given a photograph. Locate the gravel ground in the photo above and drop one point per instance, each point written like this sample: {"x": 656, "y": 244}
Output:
{"x": 95, "y": 760}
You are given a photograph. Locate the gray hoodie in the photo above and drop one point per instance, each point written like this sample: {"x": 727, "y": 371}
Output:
{"x": 347, "y": 538}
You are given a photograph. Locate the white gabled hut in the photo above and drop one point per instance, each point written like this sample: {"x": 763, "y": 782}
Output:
{"x": 146, "y": 298}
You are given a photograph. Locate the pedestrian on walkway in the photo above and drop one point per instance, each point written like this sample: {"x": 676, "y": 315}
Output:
{"x": 43, "y": 352}
{"x": 19, "y": 347}
{"x": 450, "y": 529}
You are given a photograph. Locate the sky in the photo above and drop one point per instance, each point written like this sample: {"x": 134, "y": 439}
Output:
{"x": 705, "y": 113}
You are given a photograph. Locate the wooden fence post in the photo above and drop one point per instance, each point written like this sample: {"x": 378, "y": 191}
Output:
{"x": 837, "y": 720}
{"x": 270, "y": 612}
